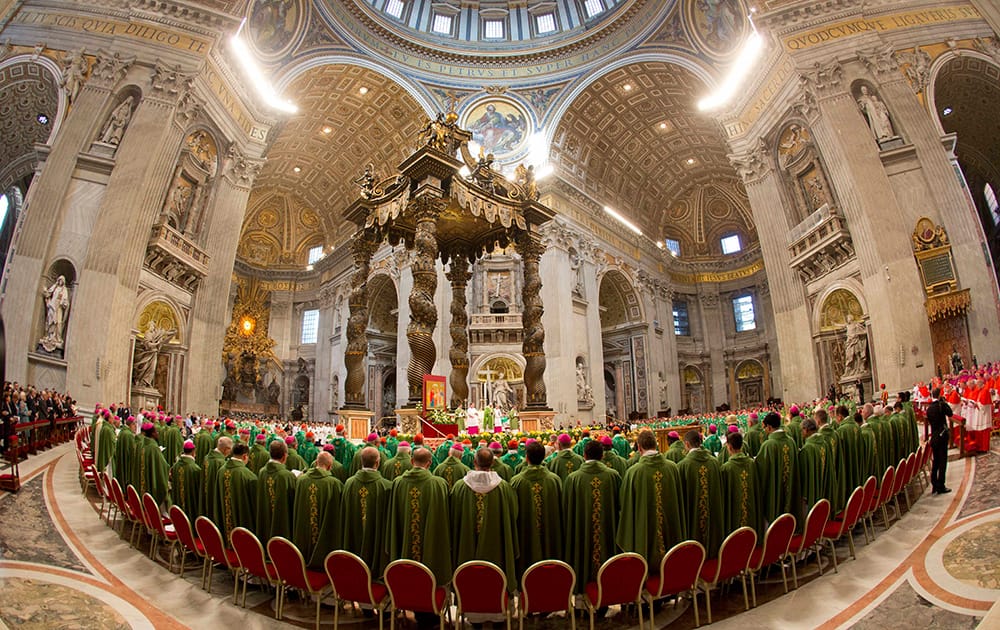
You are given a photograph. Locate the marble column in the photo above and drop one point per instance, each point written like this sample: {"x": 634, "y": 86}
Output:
{"x": 534, "y": 332}
{"x": 714, "y": 331}
{"x": 459, "y": 276}
{"x": 670, "y": 389}
{"x": 423, "y": 310}
{"x": 357, "y": 338}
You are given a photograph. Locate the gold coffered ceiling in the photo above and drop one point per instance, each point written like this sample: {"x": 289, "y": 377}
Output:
{"x": 633, "y": 140}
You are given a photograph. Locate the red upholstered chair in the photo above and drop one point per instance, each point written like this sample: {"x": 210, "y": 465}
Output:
{"x": 137, "y": 518}
{"x": 108, "y": 497}
{"x": 925, "y": 461}
{"x": 189, "y": 542}
{"x": 215, "y": 550}
{"x": 292, "y": 573}
{"x": 898, "y": 483}
{"x": 101, "y": 492}
{"x": 774, "y": 549}
{"x": 809, "y": 538}
{"x": 121, "y": 505}
{"x": 679, "y": 571}
{"x": 412, "y": 587}
{"x": 843, "y": 522}
{"x": 251, "y": 560}
{"x": 911, "y": 472}
{"x": 885, "y": 494}
{"x": 868, "y": 504}
{"x": 619, "y": 581}
{"x": 547, "y": 586}
{"x": 88, "y": 475}
{"x": 481, "y": 587}
{"x": 161, "y": 528}
{"x": 733, "y": 560}
{"x": 352, "y": 582}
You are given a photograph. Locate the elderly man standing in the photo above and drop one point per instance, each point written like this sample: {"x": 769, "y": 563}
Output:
{"x": 236, "y": 496}
{"x": 365, "y": 511}
{"x": 316, "y": 517}
{"x": 591, "y": 508}
{"x": 419, "y": 525}
{"x": 452, "y": 469}
{"x": 565, "y": 461}
{"x": 185, "y": 481}
{"x": 397, "y": 465}
{"x": 214, "y": 462}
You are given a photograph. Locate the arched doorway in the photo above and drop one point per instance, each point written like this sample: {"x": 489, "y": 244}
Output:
{"x": 842, "y": 344}
{"x": 694, "y": 390}
{"x": 498, "y": 380}
{"x": 158, "y": 358}
{"x": 750, "y": 388}
{"x": 383, "y": 305}
{"x": 623, "y": 341}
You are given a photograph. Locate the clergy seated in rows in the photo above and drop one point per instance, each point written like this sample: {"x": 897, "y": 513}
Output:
{"x": 591, "y": 506}
{"x": 483, "y": 515}
{"x": 418, "y": 526}
{"x": 317, "y": 513}
{"x": 365, "y": 507}
{"x": 275, "y": 494}
{"x": 150, "y": 472}
{"x": 185, "y": 481}
{"x": 214, "y": 462}
{"x": 701, "y": 485}
{"x": 539, "y": 522}
{"x": 564, "y": 462}
{"x": 652, "y": 510}
{"x": 740, "y": 495}
{"x": 236, "y": 495}
{"x": 777, "y": 471}
{"x": 398, "y": 464}
{"x": 452, "y": 469}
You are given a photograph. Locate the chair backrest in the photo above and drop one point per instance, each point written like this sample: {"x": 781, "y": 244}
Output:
{"x": 151, "y": 513}
{"x": 288, "y": 562}
{"x": 106, "y": 485}
{"x": 547, "y": 586}
{"x": 888, "y": 483}
{"x": 411, "y": 586}
{"x": 926, "y": 455}
{"x": 481, "y": 587}
{"x": 118, "y": 496}
{"x": 871, "y": 494}
{"x": 776, "y": 540}
{"x": 99, "y": 484}
{"x": 350, "y": 576}
{"x": 620, "y": 579}
{"x": 182, "y": 525}
{"x": 679, "y": 568}
{"x": 815, "y": 521}
{"x": 902, "y": 475}
{"x": 734, "y": 554}
{"x": 249, "y": 551}
{"x": 211, "y": 540}
{"x": 911, "y": 467}
{"x": 135, "y": 504}
{"x": 852, "y": 512}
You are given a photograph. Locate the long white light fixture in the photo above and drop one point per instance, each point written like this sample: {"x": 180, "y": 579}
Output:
{"x": 752, "y": 48}
{"x": 623, "y": 220}
{"x": 253, "y": 72}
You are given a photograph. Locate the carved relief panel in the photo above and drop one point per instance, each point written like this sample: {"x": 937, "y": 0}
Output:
{"x": 186, "y": 203}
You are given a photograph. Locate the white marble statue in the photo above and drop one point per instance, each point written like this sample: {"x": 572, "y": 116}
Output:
{"x": 856, "y": 348}
{"x": 146, "y": 351}
{"x": 118, "y": 122}
{"x": 877, "y": 114}
{"x": 584, "y": 393}
{"x": 56, "y": 309}
{"x": 502, "y": 393}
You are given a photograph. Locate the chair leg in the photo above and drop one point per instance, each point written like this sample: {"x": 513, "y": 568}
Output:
{"x": 639, "y": 606}
{"x": 236, "y": 584}
{"x": 885, "y": 516}
{"x": 211, "y": 567}
{"x": 319, "y": 597}
{"x": 895, "y": 501}
{"x": 795, "y": 576}
{"x": 833, "y": 554}
{"x": 245, "y": 580}
{"x": 694, "y": 604}
{"x": 850, "y": 544}
{"x": 392, "y": 618}
{"x": 708, "y": 601}
{"x": 753, "y": 589}
{"x": 746, "y": 597}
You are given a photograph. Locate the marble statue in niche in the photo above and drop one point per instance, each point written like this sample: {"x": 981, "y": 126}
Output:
{"x": 75, "y": 68}
{"x": 584, "y": 393}
{"x": 56, "y": 314}
{"x": 856, "y": 348}
{"x": 146, "y": 351}
{"x": 876, "y": 113}
{"x": 118, "y": 122}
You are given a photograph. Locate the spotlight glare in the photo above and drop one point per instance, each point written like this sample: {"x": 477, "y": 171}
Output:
{"x": 614, "y": 214}
{"x": 261, "y": 84}
{"x": 737, "y": 74}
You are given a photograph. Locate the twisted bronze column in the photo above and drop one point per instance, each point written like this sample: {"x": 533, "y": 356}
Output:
{"x": 423, "y": 312}
{"x": 459, "y": 354}
{"x": 531, "y": 320}
{"x": 363, "y": 248}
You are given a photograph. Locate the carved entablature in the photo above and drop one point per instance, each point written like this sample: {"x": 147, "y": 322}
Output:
{"x": 109, "y": 69}
{"x": 241, "y": 170}
{"x": 557, "y": 233}
{"x": 916, "y": 66}
{"x": 880, "y": 61}
{"x": 169, "y": 82}
{"x": 754, "y": 164}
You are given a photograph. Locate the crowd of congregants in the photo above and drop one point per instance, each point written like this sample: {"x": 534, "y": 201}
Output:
{"x": 24, "y": 405}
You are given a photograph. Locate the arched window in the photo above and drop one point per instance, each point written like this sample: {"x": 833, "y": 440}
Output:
{"x": 4, "y": 205}
{"x": 991, "y": 203}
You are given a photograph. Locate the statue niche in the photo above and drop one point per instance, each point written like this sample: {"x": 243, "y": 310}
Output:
{"x": 803, "y": 173}
{"x": 188, "y": 197}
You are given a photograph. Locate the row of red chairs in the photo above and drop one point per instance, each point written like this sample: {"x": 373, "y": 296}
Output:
{"x": 481, "y": 587}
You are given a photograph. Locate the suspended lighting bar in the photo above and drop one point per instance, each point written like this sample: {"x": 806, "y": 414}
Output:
{"x": 256, "y": 76}
{"x": 741, "y": 68}
{"x": 623, "y": 220}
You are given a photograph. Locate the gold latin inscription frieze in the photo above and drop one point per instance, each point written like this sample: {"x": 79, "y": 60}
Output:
{"x": 722, "y": 276}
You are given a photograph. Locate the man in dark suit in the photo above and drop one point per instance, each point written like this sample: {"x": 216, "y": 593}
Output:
{"x": 937, "y": 422}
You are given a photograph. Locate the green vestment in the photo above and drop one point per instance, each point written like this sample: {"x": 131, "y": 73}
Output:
{"x": 814, "y": 473}
{"x": 441, "y": 452}
{"x": 701, "y": 483}
{"x": 675, "y": 452}
{"x": 259, "y": 456}
{"x": 309, "y": 452}
{"x": 343, "y": 451}
{"x": 794, "y": 431}
{"x": 652, "y": 509}
{"x": 173, "y": 444}
{"x": 564, "y": 463}
{"x": 621, "y": 446}
{"x": 451, "y": 470}
{"x": 294, "y": 461}
{"x": 591, "y": 508}
{"x": 753, "y": 439}
{"x": 539, "y": 515}
{"x": 124, "y": 458}
{"x": 868, "y": 453}
{"x": 203, "y": 445}
{"x": 235, "y": 498}
{"x": 105, "y": 447}
{"x": 396, "y": 466}
{"x": 365, "y": 505}
{"x": 275, "y": 501}
{"x": 503, "y": 470}
{"x": 578, "y": 447}
{"x": 419, "y": 522}
{"x": 712, "y": 444}
{"x": 849, "y": 434}
{"x": 839, "y": 490}
{"x": 778, "y": 476}
{"x": 614, "y": 461}
{"x": 741, "y": 494}
{"x": 513, "y": 459}
{"x": 317, "y": 516}
{"x": 338, "y": 471}
{"x": 185, "y": 486}
{"x": 483, "y": 519}
{"x": 214, "y": 462}
{"x": 152, "y": 471}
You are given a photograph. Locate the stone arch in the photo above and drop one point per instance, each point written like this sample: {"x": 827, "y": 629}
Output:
{"x": 939, "y": 66}
{"x": 510, "y": 365}
{"x": 164, "y": 310}
{"x": 29, "y": 94}
{"x": 694, "y": 388}
{"x": 849, "y": 286}
{"x": 749, "y": 378}
{"x": 831, "y": 310}
{"x": 618, "y": 299}
{"x": 383, "y": 300}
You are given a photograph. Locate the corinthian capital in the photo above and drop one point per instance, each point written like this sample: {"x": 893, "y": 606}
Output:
{"x": 753, "y": 164}
{"x": 110, "y": 68}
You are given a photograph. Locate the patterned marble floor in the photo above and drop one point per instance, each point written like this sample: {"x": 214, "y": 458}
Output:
{"x": 937, "y": 567}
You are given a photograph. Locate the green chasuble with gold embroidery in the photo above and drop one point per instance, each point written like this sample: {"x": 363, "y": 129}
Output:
{"x": 105, "y": 446}
{"x": 614, "y": 461}
{"x": 502, "y": 469}
{"x": 741, "y": 494}
{"x": 185, "y": 486}
{"x": 712, "y": 444}
{"x": 701, "y": 484}
{"x": 419, "y": 525}
{"x": 483, "y": 519}
{"x": 838, "y": 490}
{"x": 317, "y": 515}
{"x": 451, "y": 470}
{"x": 338, "y": 471}
{"x": 912, "y": 432}
{"x": 778, "y": 476}
{"x": 235, "y": 498}
{"x": 564, "y": 463}
{"x": 275, "y": 501}
{"x": 794, "y": 430}
{"x": 754, "y": 437}
{"x": 259, "y": 456}
{"x": 173, "y": 444}
{"x": 882, "y": 454}
{"x": 868, "y": 461}
{"x": 814, "y": 473}
{"x": 652, "y": 509}
{"x": 365, "y": 505}
{"x": 675, "y": 452}
{"x": 539, "y": 515}
{"x": 214, "y": 462}
{"x": 294, "y": 461}
{"x": 396, "y": 466}
{"x": 513, "y": 459}
{"x": 591, "y": 509}
{"x": 621, "y": 446}
{"x": 308, "y": 452}
{"x": 152, "y": 471}
{"x": 124, "y": 457}
{"x": 848, "y": 433}
{"x": 343, "y": 451}
{"x": 203, "y": 445}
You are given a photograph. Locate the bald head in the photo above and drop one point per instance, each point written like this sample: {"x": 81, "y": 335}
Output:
{"x": 324, "y": 460}
{"x": 225, "y": 445}
{"x": 369, "y": 457}
{"x": 422, "y": 458}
